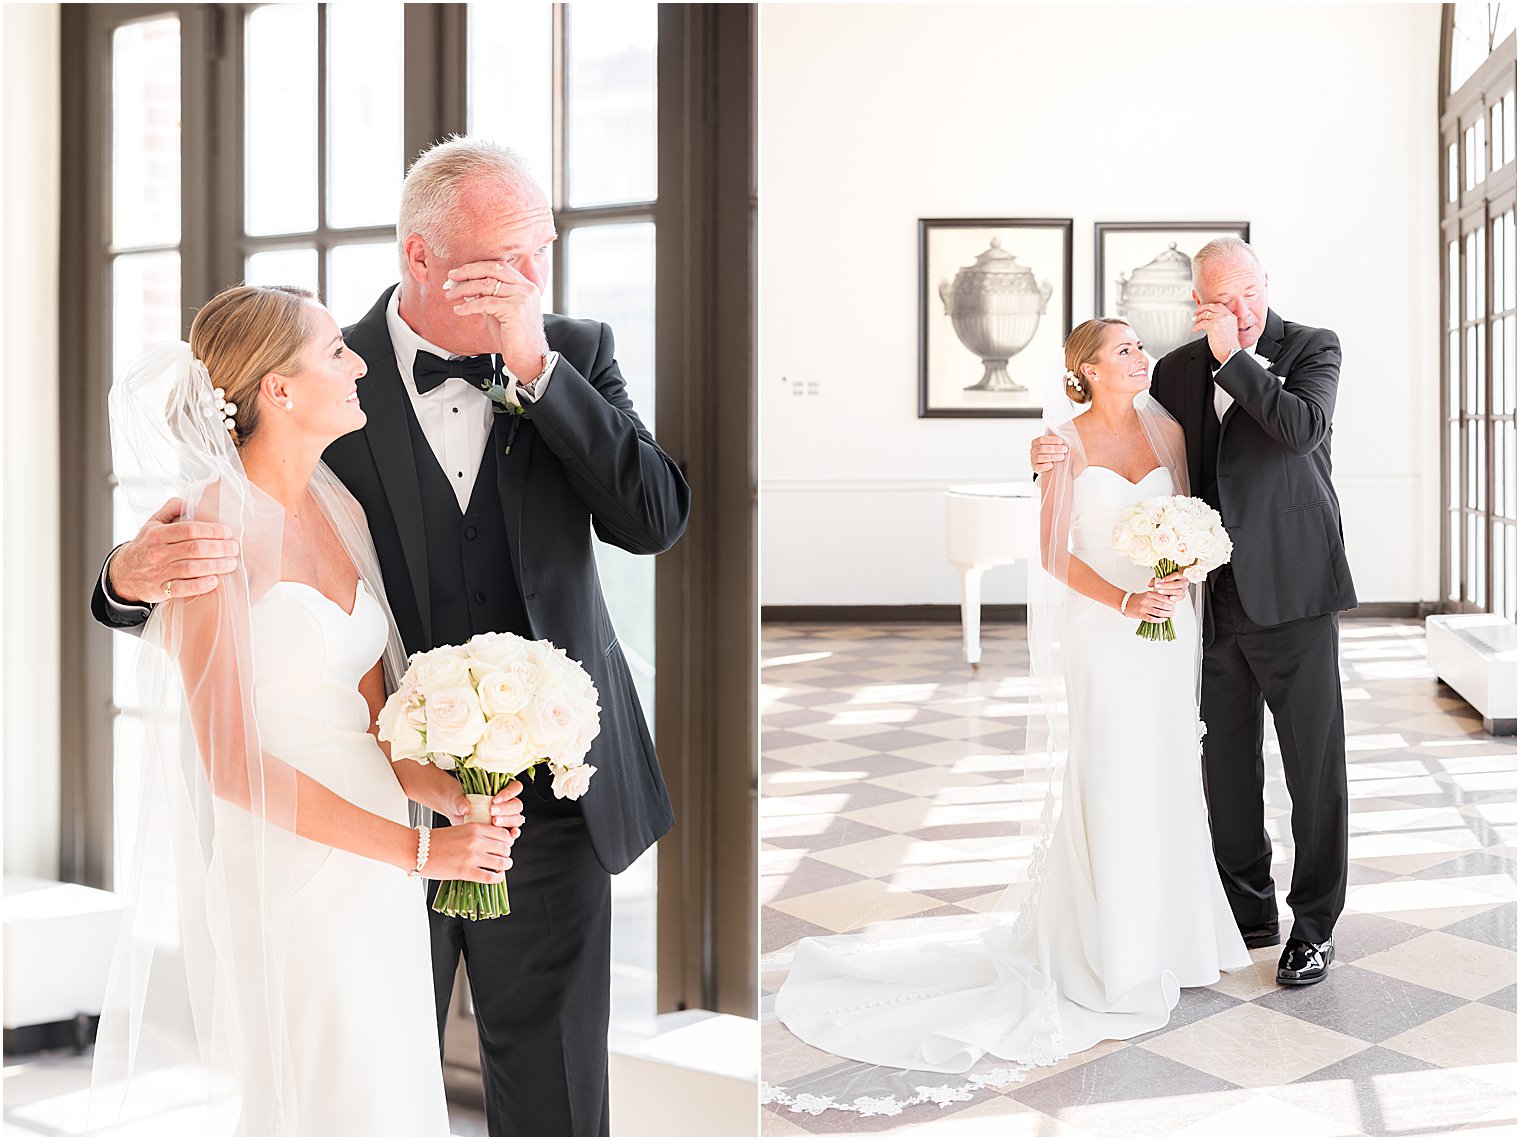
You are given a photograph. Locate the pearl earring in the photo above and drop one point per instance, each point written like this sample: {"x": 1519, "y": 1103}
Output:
{"x": 289, "y": 404}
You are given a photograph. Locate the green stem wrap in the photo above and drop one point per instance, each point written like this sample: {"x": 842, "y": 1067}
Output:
{"x": 463, "y": 899}
{"x": 1160, "y": 631}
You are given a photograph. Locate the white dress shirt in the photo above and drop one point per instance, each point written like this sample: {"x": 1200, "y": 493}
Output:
{"x": 456, "y": 416}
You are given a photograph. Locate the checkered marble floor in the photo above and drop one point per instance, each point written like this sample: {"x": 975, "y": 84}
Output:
{"x": 881, "y": 758}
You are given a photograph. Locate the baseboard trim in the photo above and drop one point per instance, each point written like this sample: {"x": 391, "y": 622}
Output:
{"x": 77, "y": 1035}
{"x": 877, "y": 615}
{"x": 886, "y": 615}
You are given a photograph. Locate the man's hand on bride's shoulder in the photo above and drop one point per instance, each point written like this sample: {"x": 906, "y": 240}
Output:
{"x": 1045, "y": 451}
{"x": 171, "y": 558}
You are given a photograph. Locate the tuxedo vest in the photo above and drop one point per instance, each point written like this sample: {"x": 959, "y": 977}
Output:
{"x": 471, "y": 584}
{"x": 1208, "y": 483}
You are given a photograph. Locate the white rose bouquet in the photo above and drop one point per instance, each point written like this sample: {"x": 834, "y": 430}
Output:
{"x": 1167, "y": 534}
{"x": 488, "y": 711}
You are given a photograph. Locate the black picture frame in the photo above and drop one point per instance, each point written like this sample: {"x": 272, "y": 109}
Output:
{"x": 957, "y": 382}
{"x": 1122, "y": 247}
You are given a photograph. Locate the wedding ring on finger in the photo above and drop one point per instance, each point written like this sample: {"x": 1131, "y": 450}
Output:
{"x": 168, "y": 588}
{"x": 496, "y": 288}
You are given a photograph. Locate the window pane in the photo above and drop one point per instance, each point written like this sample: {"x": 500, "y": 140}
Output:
{"x": 280, "y": 97}
{"x": 1454, "y": 552}
{"x": 145, "y": 133}
{"x": 357, "y": 275}
{"x": 1470, "y": 293}
{"x": 1496, "y": 136}
{"x": 1479, "y": 591}
{"x": 1453, "y": 286}
{"x": 511, "y": 80}
{"x": 1508, "y": 286}
{"x": 1454, "y": 374}
{"x": 1469, "y": 41}
{"x": 1470, "y": 370}
{"x": 1480, "y": 155}
{"x": 1454, "y": 463}
{"x": 1501, "y": 256}
{"x": 1469, "y": 159}
{"x": 1507, "y": 383}
{"x": 1509, "y": 128}
{"x": 1501, "y": 469}
{"x": 363, "y": 114}
{"x": 610, "y": 104}
{"x": 1511, "y": 566}
{"x": 282, "y": 267}
{"x": 1451, "y": 172}
{"x": 145, "y": 307}
{"x": 610, "y": 276}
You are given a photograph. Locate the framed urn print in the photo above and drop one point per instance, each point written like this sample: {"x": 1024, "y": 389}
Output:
{"x": 994, "y": 309}
{"x": 1144, "y": 274}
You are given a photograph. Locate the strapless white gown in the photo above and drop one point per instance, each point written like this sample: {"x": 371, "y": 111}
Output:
{"x": 361, "y": 1032}
{"x": 1131, "y": 906}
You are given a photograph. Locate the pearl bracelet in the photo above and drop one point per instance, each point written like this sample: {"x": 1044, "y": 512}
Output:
{"x": 1127, "y": 596}
{"x": 424, "y": 840}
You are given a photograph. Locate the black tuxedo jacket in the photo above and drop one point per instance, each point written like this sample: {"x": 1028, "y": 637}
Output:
{"x": 1272, "y": 465}
{"x": 581, "y": 461}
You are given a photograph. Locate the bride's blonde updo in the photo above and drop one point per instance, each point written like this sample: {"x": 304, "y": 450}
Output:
{"x": 243, "y": 334}
{"x": 1084, "y": 346}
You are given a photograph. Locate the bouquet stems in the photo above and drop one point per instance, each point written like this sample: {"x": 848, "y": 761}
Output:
{"x": 463, "y": 899}
{"x": 1160, "y": 631}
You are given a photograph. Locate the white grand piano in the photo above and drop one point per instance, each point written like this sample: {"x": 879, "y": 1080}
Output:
{"x": 987, "y": 525}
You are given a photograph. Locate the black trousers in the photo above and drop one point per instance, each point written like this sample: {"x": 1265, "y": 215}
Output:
{"x": 540, "y": 978}
{"x": 1294, "y": 669}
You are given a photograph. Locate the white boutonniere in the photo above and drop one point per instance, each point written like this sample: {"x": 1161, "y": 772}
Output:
{"x": 1265, "y": 363}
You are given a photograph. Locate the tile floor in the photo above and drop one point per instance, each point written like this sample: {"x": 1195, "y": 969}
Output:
{"x": 881, "y": 756}
{"x": 46, "y": 1094}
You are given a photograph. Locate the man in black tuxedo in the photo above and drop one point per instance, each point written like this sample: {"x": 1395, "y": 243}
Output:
{"x": 483, "y": 521}
{"x": 1255, "y": 396}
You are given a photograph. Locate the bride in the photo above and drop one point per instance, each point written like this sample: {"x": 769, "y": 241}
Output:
{"x": 1123, "y": 905}
{"x": 273, "y": 972}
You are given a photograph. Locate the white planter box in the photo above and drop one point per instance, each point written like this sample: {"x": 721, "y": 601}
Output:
{"x": 59, "y": 938}
{"x": 1475, "y": 654}
{"x": 697, "y": 1076}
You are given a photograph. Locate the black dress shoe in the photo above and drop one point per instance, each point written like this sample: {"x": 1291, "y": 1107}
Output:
{"x": 1256, "y": 937}
{"x": 1304, "y": 963}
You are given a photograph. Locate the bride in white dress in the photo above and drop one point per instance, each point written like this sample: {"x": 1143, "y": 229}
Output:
{"x": 273, "y": 974}
{"x": 1124, "y": 906}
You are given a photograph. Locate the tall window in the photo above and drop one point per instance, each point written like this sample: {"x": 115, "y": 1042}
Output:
{"x": 578, "y": 102}
{"x": 142, "y": 277}
{"x": 1478, "y": 359}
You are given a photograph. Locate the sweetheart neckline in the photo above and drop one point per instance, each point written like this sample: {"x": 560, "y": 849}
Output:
{"x": 1111, "y": 471}
{"x": 346, "y": 613}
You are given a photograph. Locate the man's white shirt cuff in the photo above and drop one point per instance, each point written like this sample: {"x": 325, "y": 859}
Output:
{"x": 534, "y": 389}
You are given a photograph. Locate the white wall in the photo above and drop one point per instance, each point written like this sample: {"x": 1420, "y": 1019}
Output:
{"x": 1316, "y": 123}
{"x": 29, "y": 570}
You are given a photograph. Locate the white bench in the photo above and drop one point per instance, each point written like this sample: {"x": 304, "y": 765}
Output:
{"x": 698, "y": 1075}
{"x": 1475, "y": 655}
{"x": 59, "y": 938}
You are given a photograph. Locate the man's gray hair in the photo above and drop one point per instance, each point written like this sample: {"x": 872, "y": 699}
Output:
{"x": 431, "y": 192}
{"x": 1226, "y": 248}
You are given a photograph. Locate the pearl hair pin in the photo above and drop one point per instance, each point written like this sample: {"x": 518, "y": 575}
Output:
{"x": 224, "y": 408}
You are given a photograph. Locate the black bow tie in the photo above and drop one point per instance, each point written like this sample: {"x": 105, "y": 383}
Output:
{"x": 429, "y": 371}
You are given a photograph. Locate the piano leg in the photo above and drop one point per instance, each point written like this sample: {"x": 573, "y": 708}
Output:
{"x": 971, "y": 612}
